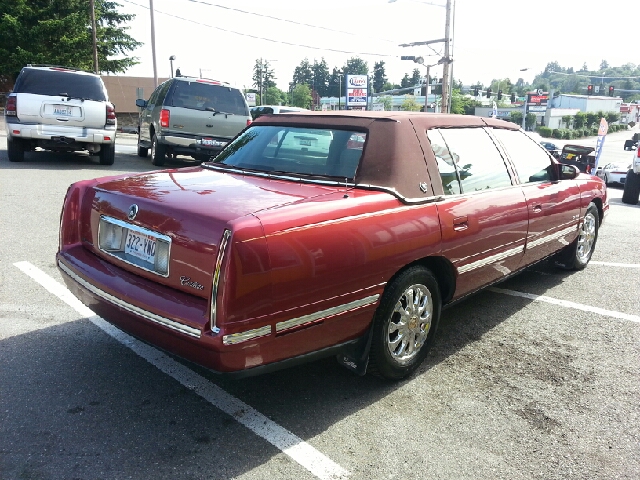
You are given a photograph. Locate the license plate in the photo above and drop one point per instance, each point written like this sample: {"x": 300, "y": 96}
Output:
{"x": 305, "y": 142}
{"x": 141, "y": 246}
{"x": 62, "y": 110}
{"x": 211, "y": 142}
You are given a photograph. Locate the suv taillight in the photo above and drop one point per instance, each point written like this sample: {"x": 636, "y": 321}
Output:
{"x": 249, "y": 121}
{"x": 11, "y": 107}
{"x": 111, "y": 114}
{"x": 164, "y": 117}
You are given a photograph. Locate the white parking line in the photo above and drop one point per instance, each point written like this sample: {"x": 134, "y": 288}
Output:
{"x": 315, "y": 462}
{"x": 567, "y": 304}
{"x": 611, "y": 264}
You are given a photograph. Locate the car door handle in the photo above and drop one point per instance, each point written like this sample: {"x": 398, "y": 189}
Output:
{"x": 460, "y": 223}
{"x": 537, "y": 208}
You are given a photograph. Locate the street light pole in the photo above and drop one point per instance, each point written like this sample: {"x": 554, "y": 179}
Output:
{"x": 171, "y": 59}
{"x": 524, "y": 104}
{"x": 340, "y": 92}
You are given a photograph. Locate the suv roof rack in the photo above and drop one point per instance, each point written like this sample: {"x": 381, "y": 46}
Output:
{"x": 56, "y": 66}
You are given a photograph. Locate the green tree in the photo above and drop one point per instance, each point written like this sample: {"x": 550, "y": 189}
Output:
{"x": 462, "y": 104}
{"x": 301, "y": 96}
{"x": 379, "y": 76}
{"x": 263, "y": 75}
{"x": 275, "y": 96}
{"x": 409, "y": 104}
{"x": 59, "y": 32}
{"x": 321, "y": 77}
{"x": 612, "y": 117}
{"x": 406, "y": 81}
{"x": 530, "y": 121}
{"x": 416, "y": 77}
{"x": 567, "y": 120}
{"x": 387, "y": 101}
{"x": 580, "y": 120}
{"x": 336, "y": 83}
{"x": 356, "y": 66}
{"x": 516, "y": 117}
{"x": 303, "y": 73}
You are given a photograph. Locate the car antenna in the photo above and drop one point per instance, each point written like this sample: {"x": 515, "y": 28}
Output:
{"x": 346, "y": 195}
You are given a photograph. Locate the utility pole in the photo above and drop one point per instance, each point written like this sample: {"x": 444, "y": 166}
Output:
{"x": 153, "y": 46}
{"x": 93, "y": 36}
{"x": 426, "y": 91}
{"x": 446, "y": 60}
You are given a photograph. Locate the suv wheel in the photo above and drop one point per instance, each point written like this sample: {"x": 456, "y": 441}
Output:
{"x": 142, "y": 151}
{"x": 157, "y": 152}
{"x": 15, "y": 150}
{"x": 631, "y": 193}
{"x": 107, "y": 153}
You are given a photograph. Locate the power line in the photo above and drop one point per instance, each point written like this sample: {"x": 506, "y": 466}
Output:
{"x": 256, "y": 37}
{"x": 590, "y": 76}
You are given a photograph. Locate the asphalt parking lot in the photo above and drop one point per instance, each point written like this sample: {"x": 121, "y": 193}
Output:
{"x": 538, "y": 377}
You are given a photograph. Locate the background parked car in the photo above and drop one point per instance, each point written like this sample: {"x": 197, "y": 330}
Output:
{"x": 615, "y": 172}
{"x": 62, "y": 110}
{"x": 274, "y": 109}
{"x": 580, "y": 156}
{"x": 190, "y": 116}
{"x": 632, "y": 142}
{"x": 552, "y": 148}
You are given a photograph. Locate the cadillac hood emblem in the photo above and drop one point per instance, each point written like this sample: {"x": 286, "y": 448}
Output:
{"x": 133, "y": 211}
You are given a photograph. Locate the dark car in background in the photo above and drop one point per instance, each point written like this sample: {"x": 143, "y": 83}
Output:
{"x": 552, "y": 148}
{"x": 582, "y": 157}
{"x": 190, "y": 116}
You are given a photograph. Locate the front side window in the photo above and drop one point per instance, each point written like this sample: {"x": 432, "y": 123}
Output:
{"x": 293, "y": 150}
{"x": 532, "y": 162}
{"x": 479, "y": 165}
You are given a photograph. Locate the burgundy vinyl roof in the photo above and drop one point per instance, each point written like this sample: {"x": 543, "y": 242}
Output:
{"x": 397, "y": 150}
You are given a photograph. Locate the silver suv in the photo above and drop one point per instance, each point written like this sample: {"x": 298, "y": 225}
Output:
{"x": 190, "y": 116}
{"x": 60, "y": 109}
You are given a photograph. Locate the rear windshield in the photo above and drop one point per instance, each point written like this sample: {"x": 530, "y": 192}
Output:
{"x": 205, "y": 96}
{"x": 292, "y": 150}
{"x": 57, "y": 82}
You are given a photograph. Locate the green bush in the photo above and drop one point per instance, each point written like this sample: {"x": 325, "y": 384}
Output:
{"x": 566, "y": 134}
{"x": 544, "y": 132}
{"x": 556, "y": 133}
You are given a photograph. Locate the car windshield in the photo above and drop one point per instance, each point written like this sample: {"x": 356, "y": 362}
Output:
{"x": 60, "y": 82}
{"x": 293, "y": 150}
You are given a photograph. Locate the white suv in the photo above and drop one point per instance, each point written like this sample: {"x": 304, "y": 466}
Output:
{"x": 631, "y": 193}
{"x": 60, "y": 109}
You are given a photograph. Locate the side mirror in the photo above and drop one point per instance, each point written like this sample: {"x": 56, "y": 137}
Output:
{"x": 141, "y": 103}
{"x": 568, "y": 172}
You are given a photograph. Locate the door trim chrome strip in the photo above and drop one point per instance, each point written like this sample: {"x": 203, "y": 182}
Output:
{"x": 216, "y": 280}
{"x": 489, "y": 260}
{"x": 166, "y": 322}
{"x": 312, "y": 317}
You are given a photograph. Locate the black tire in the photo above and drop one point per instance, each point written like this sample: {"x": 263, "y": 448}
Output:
{"x": 158, "y": 152}
{"x": 15, "y": 150}
{"x": 631, "y": 193}
{"x": 142, "y": 151}
{"x": 606, "y": 179}
{"x": 107, "y": 153}
{"x": 576, "y": 256}
{"x": 403, "y": 329}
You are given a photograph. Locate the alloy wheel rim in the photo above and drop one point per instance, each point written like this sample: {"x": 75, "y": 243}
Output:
{"x": 410, "y": 323}
{"x": 587, "y": 238}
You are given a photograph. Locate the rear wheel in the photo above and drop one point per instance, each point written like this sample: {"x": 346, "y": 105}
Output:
{"x": 631, "y": 193}
{"x": 107, "y": 153}
{"x": 15, "y": 150}
{"x": 405, "y": 324}
{"x": 577, "y": 255}
{"x": 158, "y": 155}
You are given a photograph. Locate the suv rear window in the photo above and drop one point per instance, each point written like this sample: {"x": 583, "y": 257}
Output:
{"x": 57, "y": 82}
{"x": 205, "y": 96}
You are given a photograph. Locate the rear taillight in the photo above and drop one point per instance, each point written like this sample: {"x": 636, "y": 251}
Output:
{"x": 638, "y": 152}
{"x": 111, "y": 114}
{"x": 249, "y": 121}
{"x": 164, "y": 118}
{"x": 11, "y": 107}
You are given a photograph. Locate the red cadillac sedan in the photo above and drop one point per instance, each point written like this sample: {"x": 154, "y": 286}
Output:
{"x": 323, "y": 233}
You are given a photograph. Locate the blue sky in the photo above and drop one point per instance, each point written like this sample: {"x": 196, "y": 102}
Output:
{"x": 491, "y": 38}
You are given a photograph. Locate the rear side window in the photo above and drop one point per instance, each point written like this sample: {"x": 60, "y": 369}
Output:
{"x": 477, "y": 161}
{"x": 531, "y": 161}
{"x": 205, "y": 96}
{"x": 57, "y": 82}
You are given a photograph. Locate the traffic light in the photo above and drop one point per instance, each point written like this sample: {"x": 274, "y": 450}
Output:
{"x": 589, "y": 89}
{"x": 476, "y": 90}
{"x": 488, "y": 92}
{"x": 513, "y": 98}
{"x": 499, "y": 94}
{"x": 611, "y": 89}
